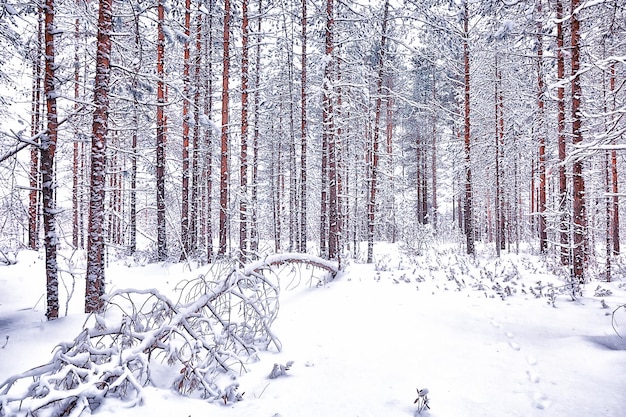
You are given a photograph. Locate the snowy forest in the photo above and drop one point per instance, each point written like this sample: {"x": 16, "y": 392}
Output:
{"x": 287, "y": 138}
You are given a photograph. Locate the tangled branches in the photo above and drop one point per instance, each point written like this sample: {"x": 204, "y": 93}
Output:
{"x": 202, "y": 342}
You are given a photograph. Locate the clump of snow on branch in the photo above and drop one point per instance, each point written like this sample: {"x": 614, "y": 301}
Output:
{"x": 197, "y": 345}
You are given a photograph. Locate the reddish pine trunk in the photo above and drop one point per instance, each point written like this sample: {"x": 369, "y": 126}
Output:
{"x": 160, "y": 139}
{"x": 95, "y": 239}
{"x": 563, "y": 226}
{"x": 467, "y": 214}
{"x": 578, "y": 186}
{"x": 224, "y": 140}
{"x": 184, "y": 221}
{"x": 243, "y": 167}
{"x": 48, "y": 148}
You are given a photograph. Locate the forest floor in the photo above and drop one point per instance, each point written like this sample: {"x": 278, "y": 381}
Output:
{"x": 485, "y": 336}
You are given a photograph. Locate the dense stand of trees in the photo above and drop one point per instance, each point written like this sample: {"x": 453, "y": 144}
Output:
{"x": 325, "y": 124}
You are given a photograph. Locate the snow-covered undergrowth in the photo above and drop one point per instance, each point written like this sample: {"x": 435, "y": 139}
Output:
{"x": 482, "y": 336}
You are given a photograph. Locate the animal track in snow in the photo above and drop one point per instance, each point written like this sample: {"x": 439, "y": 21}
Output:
{"x": 541, "y": 401}
{"x": 533, "y": 377}
{"x": 514, "y": 345}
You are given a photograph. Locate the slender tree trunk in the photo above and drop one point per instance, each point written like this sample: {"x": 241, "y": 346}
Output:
{"x": 607, "y": 187}
{"x": 303, "y": 141}
{"x": 543, "y": 235}
{"x": 95, "y": 240}
{"x": 468, "y": 211}
{"x": 578, "y": 183}
{"x": 184, "y": 221}
{"x": 327, "y": 130}
{"x": 243, "y": 167}
{"x": 76, "y": 145}
{"x": 614, "y": 177}
{"x": 132, "y": 247}
{"x": 34, "y": 179}
{"x": 391, "y": 195}
{"x": 48, "y": 181}
{"x": 435, "y": 208}
{"x": 502, "y": 219}
{"x": 208, "y": 135}
{"x": 371, "y": 203}
{"x": 563, "y": 226}
{"x": 194, "y": 213}
{"x": 254, "y": 235}
{"x": 160, "y": 138}
{"x": 498, "y": 200}
{"x": 224, "y": 139}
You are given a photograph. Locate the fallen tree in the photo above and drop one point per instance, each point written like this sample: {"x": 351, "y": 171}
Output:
{"x": 202, "y": 342}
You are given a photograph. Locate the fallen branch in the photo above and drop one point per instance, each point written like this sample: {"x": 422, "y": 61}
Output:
{"x": 221, "y": 320}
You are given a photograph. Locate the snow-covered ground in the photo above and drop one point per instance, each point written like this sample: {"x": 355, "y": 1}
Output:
{"x": 481, "y": 335}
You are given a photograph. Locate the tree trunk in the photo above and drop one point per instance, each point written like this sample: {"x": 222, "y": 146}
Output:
{"x": 254, "y": 235}
{"x": 34, "y": 179}
{"x": 468, "y": 210}
{"x": 303, "y": 141}
{"x": 48, "y": 181}
{"x": 243, "y": 168}
{"x": 499, "y": 136}
{"x": 195, "y": 170}
{"x": 224, "y": 139}
{"x": 208, "y": 135}
{"x": 160, "y": 139}
{"x": 327, "y": 131}
{"x": 76, "y": 145}
{"x": 184, "y": 221}
{"x": 95, "y": 240}
{"x": 543, "y": 235}
{"x": 578, "y": 183}
{"x": 563, "y": 225}
{"x": 614, "y": 177}
{"x": 371, "y": 203}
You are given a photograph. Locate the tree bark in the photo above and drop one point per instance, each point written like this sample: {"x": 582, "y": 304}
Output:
{"x": 543, "y": 235}
{"x": 327, "y": 131}
{"x": 34, "y": 178}
{"x": 578, "y": 183}
{"x": 303, "y": 141}
{"x": 224, "y": 138}
{"x": 468, "y": 207}
{"x": 184, "y": 221}
{"x": 371, "y": 203}
{"x": 48, "y": 180}
{"x": 243, "y": 158}
{"x": 160, "y": 138}
{"x": 562, "y": 198}
{"x": 95, "y": 240}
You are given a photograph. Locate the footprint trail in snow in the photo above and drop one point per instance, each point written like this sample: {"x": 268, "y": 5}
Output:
{"x": 539, "y": 400}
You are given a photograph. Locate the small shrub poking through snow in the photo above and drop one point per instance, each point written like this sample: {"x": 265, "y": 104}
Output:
{"x": 422, "y": 400}
{"x": 280, "y": 370}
